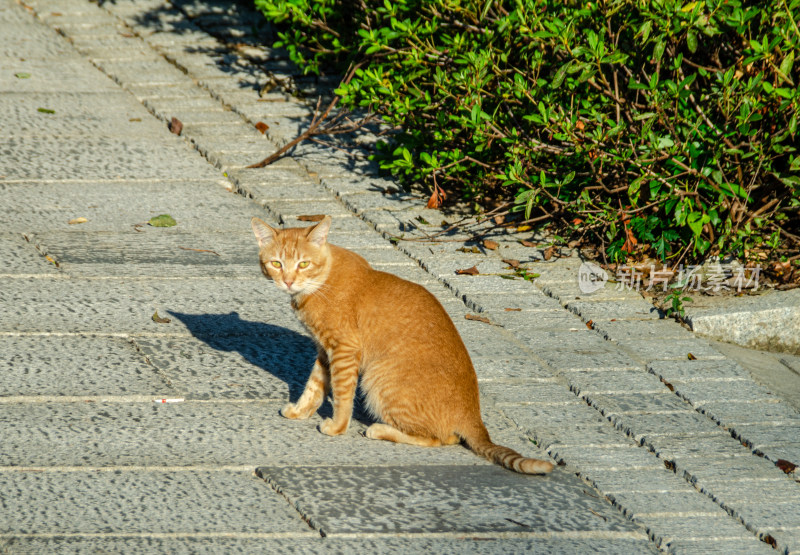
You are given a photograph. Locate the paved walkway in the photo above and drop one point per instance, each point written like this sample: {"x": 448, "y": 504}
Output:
{"x": 656, "y": 451}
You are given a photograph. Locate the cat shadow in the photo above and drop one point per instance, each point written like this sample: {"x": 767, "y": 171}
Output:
{"x": 284, "y": 353}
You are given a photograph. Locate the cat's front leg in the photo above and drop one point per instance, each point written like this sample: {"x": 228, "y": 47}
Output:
{"x": 317, "y": 387}
{"x": 344, "y": 379}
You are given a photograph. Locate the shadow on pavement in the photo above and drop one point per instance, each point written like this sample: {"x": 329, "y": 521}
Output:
{"x": 284, "y": 353}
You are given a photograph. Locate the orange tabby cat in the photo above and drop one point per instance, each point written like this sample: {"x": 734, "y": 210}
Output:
{"x": 416, "y": 374}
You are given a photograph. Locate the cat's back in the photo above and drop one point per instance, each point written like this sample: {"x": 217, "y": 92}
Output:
{"x": 398, "y": 317}
{"x": 386, "y": 306}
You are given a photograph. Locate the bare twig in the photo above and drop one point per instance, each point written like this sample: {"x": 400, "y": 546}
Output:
{"x": 313, "y": 129}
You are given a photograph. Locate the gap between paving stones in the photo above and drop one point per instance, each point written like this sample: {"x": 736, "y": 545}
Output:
{"x": 132, "y": 468}
{"x": 366, "y": 535}
{"x": 352, "y": 208}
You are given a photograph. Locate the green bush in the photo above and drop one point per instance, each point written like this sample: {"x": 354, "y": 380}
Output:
{"x": 649, "y": 127}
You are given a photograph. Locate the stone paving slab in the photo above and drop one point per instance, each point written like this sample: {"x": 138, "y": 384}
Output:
{"x": 86, "y": 502}
{"x": 455, "y": 544}
{"x": 492, "y": 368}
{"x": 208, "y": 306}
{"x": 76, "y": 114}
{"x": 135, "y": 431}
{"x": 70, "y": 75}
{"x": 157, "y": 253}
{"x": 566, "y": 423}
{"x": 342, "y": 500}
{"x": 19, "y": 257}
{"x": 700, "y": 393}
{"x": 268, "y": 364}
{"x": 676, "y": 349}
{"x": 660, "y": 331}
{"x": 119, "y": 206}
{"x": 92, "y": 158}
{"x": 57, "y": 366}
{"x": 604, "y": 382}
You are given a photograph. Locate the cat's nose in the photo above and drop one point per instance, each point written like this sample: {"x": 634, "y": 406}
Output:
{"x": 288, "y": 283}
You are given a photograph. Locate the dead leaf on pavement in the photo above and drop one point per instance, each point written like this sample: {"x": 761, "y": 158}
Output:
{"x": 477, "y": 318}
{"x": 468, "y": 271}
{"x": 787, "y": 466}
{"x": 511, "y": 262}
{"x": 199, "y": 250}
{"x": 690, "y": 356}
{"x": 527, "y": 243}
{"x": 491, "y": 245}
{"x": 159, "y": 320}
{"x": 474, "y": 250}
{"x": 262, "y": 127}
{"x": 512, "y": 309}
{"x": 311, "y": 217}
{"x": 590, "y": 324}
{"x": 175, "y": 126}
{"x": 769, "y": 540}
{"x": 548, "y": 252}
{"x": 80, "y": 220}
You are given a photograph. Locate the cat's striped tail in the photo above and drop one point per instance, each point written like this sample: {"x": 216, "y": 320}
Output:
{"x": 480, "y": 442}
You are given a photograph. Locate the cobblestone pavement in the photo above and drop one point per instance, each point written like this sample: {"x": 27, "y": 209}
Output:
{"x": 656, "y": 452}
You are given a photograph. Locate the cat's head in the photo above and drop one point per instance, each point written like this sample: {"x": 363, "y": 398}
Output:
{"x": 297, "y": 259}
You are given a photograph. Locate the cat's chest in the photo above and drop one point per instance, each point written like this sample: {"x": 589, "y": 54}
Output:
{"x": 326, "y": 328}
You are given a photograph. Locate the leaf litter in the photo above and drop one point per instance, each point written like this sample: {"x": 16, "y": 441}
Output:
{"x": 468, "y": 271}
{"x": 159, "y": 320}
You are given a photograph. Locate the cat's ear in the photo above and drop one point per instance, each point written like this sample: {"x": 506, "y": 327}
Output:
{"x": 318, "y": 234}
{"x": 264, "y": 233}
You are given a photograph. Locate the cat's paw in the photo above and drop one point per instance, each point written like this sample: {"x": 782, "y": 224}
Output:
{"x": 290, "y": 410}
{"x": 330, "y": 428}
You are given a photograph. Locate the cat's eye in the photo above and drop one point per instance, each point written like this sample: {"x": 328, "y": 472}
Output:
{"x": 276, "y": 264}
{"x": 303, "y": 264}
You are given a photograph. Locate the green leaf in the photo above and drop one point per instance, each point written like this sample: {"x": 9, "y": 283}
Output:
{"x": 664, "y": 142}
{"x": 634, "y": 188}
{"x": 645, "y": 30}
{"x": 691, "y": 41}
{"x": 22, "y": 75}
{"x": 786, "y": 66}
{"x": 45, "y": 110}
{"x": 658, "y": 50}
{"x": 164, "y": 220}
{"x": 560, "y": 74}
{"x": 733, "y": 189}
